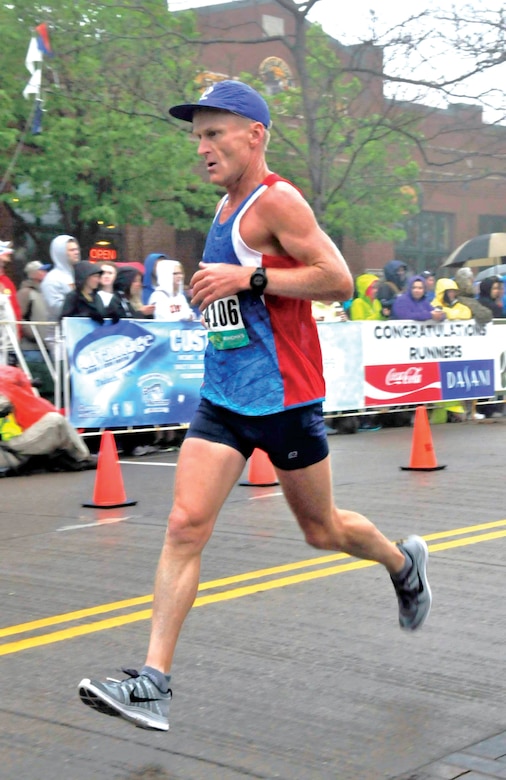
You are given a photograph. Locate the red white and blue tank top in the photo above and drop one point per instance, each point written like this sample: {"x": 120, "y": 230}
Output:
{"x": 263, "y": 354}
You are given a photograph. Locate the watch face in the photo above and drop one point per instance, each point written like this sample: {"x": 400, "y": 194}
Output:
{"x": 258, "y": 281}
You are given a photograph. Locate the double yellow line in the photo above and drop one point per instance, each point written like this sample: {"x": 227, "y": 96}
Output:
{"x": 224, "y": 589}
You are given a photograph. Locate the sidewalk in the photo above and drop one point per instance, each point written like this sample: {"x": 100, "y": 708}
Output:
{"x": 484, "y": 760}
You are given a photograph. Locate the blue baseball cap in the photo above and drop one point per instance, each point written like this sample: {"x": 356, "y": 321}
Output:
{"x": 233, "y": 96}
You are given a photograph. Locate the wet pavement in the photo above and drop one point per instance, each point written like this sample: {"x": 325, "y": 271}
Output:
{"x": 291, "y": 664}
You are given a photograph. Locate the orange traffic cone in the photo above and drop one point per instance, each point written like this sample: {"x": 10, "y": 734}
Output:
{"x": 423, "y": 457}
{"x": 261, "y": 471}
{"x": 109, "y": 489}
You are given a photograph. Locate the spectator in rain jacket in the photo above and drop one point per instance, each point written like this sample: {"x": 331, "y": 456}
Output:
{"x": 491, "y": 295}
{"x": 366, "y": 305}
{"x": 394, "y": 282}
{"x": 168, "y": 297}
{"x": 85, "y": 301}
{"x": 446, "y": 299}
{"x": 126, "y": 302}
{"x": 413, "y": 304}
{"x": 149, "y": 280}
{"x": 65, "y": 253}
{"x": 464, "y": 278}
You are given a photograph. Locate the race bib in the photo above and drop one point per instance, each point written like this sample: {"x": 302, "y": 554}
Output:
{"x": 225, "y": 325}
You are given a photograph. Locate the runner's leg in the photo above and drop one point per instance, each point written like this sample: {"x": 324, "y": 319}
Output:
{"x": 205, "y": 475}
{"x": 309, "y": 495}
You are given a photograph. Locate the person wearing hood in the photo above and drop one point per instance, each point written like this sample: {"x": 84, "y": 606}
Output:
{"x": 65, "y": 253}
{"x": 445, "y": 298}
{"x": 366, "y": 305}
{"x": 491, "y": 297}
{"x": 125, "y": 302}
{"x": 394, "y": 282}
{"x": 464, "y": 279}
{"x": 85, "y": 301}
{"x": 168, "y": 298}
{"x": 413, "y": 304}
{"x": 149, "y": 280}
{"x": 43, "y": 431}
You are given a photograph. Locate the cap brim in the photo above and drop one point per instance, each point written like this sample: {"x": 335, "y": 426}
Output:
{"x": 184, "y": 111}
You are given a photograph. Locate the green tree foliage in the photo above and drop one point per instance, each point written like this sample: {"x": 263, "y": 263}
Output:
{"x": 107, "y": 150}
{"x": 353, "y": 161}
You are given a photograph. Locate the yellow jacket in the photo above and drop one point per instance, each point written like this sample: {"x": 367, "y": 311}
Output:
{"x": 459, "y": 311}
{"x": 9, "y": 427}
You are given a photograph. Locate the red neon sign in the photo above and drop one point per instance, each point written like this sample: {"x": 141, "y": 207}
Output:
{"x": 103, "y": 253}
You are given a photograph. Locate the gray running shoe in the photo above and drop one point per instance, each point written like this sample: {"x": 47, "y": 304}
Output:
{"x": 136, "y": 699}
{"x": 413, "y": 593}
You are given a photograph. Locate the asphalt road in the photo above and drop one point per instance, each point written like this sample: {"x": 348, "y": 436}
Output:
{"x": 291, "y": 664}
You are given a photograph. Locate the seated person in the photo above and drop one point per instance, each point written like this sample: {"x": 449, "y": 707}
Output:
{"x": 43, "y": 431}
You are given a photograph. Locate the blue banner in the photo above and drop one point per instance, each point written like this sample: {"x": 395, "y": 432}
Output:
{"x": 133, "y": 373}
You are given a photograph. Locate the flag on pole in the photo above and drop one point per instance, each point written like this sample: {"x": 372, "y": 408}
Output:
{"x": 43, "y": 41}
{"x": 33, "y": 55}
{"x": 33, "y": 86}
{"x": 39, "y": 46}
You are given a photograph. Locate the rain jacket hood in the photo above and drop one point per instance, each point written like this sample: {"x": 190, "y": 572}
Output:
{"x": 147, "y": 279}
{"x": 363, "y": 307}
{"x": 58, "y": 253}
{"x": 165, "y": 276}
{"x": 60, "y": 279}
{"x": 124, "y": 280}
{"x": 458, "y": 311}
{"x": 407, "y": 307}
{"x": 391, "y": 272}
{"x": 83, "y": 271}
{"x": 464, "y": 280}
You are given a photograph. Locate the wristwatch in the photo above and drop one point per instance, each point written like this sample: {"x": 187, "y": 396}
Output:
{"x": 258, "y": 281}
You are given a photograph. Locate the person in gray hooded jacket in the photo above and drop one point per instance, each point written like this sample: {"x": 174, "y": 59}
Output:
{"x": 65, "y": 253}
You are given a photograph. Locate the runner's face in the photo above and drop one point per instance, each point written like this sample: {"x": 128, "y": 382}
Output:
{"x": 224, "y": 143}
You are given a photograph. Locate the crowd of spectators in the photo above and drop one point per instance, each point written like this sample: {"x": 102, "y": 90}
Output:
{"x": 72, "y": 287}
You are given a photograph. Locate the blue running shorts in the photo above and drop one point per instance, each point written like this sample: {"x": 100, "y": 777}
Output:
{"x": 293, "y": 439}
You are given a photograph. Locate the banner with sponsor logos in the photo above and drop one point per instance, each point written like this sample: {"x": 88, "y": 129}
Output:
{"x": 416, "y": 362}
{"x": 133, "y": 373}
{"x": 146, "y": 372}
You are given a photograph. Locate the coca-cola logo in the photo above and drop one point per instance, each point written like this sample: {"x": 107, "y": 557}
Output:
{"x": 410, "y": 376}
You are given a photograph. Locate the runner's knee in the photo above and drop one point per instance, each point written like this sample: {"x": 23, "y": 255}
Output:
{"x": 188, "y": 529}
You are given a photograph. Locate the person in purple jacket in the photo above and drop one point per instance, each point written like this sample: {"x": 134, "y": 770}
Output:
{"x": 414, "y": 304}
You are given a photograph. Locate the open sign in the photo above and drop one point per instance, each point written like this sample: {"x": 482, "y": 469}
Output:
{"x": 103, "y": 253}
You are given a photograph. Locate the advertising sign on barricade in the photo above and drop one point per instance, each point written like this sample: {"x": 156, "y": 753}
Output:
{"x": 418, "y": 362}
{"x": 400, "y": 362}
{"x": 133, "y": 373}
{"x": 149, "y": 373}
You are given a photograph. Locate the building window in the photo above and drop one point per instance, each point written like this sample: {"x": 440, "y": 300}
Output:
{"x": 272, "y": 26}
{"x": 491, "y": 223}
{"x": 428, "y": 242}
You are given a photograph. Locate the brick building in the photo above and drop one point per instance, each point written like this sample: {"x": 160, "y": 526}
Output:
{"x": 462, "y": 184}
